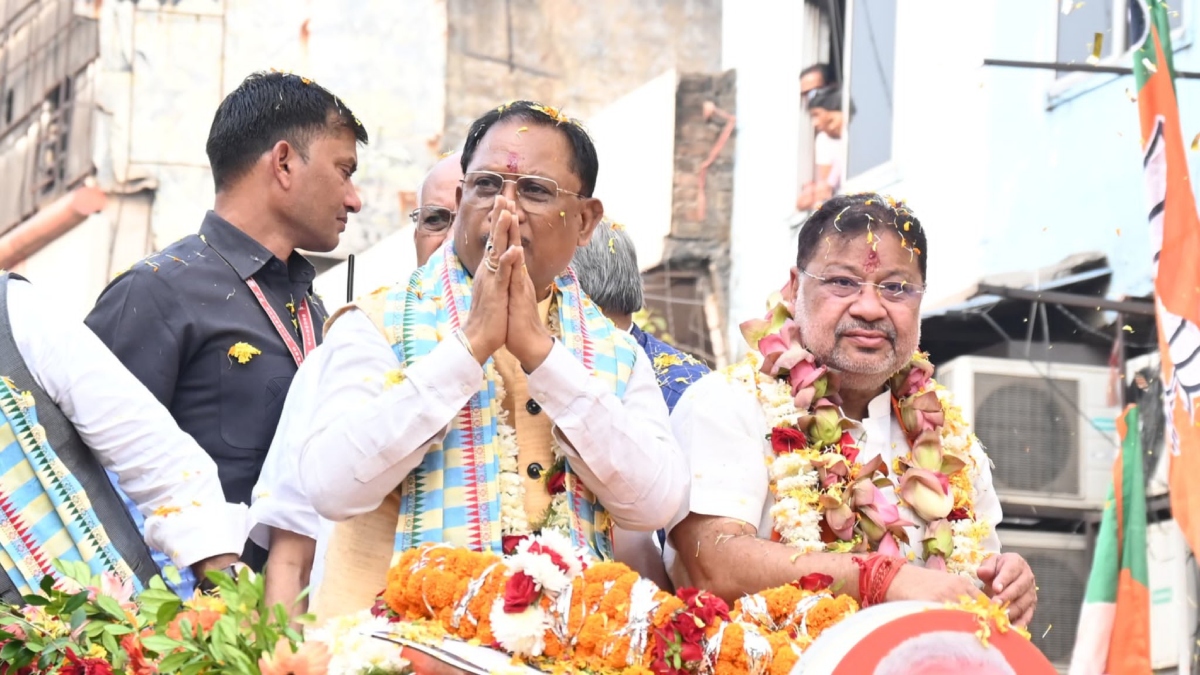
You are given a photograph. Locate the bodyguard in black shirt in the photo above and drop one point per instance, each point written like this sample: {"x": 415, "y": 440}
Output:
{"x": 217, "y": 324}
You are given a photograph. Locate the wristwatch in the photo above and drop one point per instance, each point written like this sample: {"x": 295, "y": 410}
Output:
{"x": 207, "y": 587}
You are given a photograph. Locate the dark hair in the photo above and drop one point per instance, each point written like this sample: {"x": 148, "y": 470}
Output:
{"x": 827, "y": 98}
{"x": 268, "y": 107}
{"x": 846, "y": 215}
{"x": 584, "y": 162}
{"x": 826, "y": 71}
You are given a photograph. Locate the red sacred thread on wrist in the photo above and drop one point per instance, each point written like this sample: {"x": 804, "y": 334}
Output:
{"x": 875, "y": 575}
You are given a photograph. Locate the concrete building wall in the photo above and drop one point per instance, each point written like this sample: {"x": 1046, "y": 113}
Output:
{"x": 697, "y": 215}
{"x": 164, "y": 68}
{"x": 762, "y": 45}
{"x": 635, "y": 140}
{"x": 578, "y": 56}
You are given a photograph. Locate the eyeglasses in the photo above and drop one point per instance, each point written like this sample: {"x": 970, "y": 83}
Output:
{"x": 536, "y": 194}
{"x": 432, "y": 218}
{"x": 899, "y": 292}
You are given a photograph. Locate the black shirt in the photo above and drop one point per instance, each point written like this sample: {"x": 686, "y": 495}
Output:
{"x": 172, "y": 319}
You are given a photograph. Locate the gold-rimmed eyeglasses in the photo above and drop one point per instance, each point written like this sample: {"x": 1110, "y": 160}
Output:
{"x": 432, "y": 218}
{"x": 898, "y": 291}
{"x": 536, "y": 194}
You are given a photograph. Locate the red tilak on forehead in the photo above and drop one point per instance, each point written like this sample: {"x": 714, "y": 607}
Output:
{"x": 513, "y": 162}
{"x": 872, "y": 262}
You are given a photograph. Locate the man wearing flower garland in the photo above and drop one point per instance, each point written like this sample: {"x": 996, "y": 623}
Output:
{"x": 488, "y": 398}
{"x": 888, "y": 506}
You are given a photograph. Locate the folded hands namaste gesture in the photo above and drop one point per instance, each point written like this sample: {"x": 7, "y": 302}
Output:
{"x": 504, "y": 302}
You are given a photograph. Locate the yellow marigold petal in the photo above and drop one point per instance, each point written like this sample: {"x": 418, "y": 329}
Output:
{"x": 663, "y": 361}
{"x": 243, "y": 352}
{"x": 392, "y": 378}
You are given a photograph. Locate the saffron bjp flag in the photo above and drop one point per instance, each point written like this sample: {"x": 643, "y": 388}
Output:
{"x": 1175, "y": 239}
{"x": 1113, "y": 636}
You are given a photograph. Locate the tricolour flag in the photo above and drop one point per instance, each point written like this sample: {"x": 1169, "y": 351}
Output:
{"x": 1114, "y": 627}
{"x": 1175, "y": 237}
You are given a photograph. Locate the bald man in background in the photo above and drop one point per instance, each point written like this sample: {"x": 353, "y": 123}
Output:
{"x": 435, "y": 206}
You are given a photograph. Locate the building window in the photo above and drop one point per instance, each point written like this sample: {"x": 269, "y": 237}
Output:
{"x": 1077, "y": 29}
{"x": 1135, "y": 21}
{"x": 47, "y": 88}
{"x": 872, "y": 68}
{"x": 680, "y": 309}
{"x": 1122, "y": 23}
{"x": 856, "y": 40}
{"x": 54, "y": 139}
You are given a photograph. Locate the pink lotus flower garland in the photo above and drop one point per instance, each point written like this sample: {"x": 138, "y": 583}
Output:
{"x": 825, "y": 499}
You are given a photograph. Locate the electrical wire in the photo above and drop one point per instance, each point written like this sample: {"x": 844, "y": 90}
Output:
{"x": 1106, "y": 337}
{"x": 1052, "y": 386}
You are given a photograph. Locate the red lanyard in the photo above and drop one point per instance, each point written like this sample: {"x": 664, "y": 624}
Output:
{"x": 303, "y": 317}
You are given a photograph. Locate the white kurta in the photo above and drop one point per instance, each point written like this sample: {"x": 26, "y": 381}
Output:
{"x": 162, "y": 469}
{"x": 345, "y": 439}
{"x": 723, "y": 431}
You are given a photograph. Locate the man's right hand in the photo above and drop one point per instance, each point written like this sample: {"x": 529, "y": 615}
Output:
{"x": 918, "y": 583}
{"x": 487, "y": 325}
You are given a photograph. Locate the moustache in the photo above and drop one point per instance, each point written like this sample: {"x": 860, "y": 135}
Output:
{"x": 882, "y": 326}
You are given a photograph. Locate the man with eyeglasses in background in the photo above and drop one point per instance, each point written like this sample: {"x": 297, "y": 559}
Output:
{"x": 435, "y": 206}
{"x": 854, "y": 298}
{"x": 486, "y": 399}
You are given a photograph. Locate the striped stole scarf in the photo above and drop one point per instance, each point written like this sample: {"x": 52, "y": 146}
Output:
{"x": 454, "y": 495}
{"x": 44, "y": 513}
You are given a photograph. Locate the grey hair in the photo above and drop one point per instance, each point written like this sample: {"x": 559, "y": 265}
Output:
{"x": 963, "y": 650}
{"x": 608, "y": 269}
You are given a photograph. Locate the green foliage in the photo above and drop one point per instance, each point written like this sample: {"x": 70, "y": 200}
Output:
{"x": 84, "y": 616}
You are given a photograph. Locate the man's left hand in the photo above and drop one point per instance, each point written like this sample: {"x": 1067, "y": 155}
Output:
{"x": 1009, "y": 579}
{"x": 528, "y": 339}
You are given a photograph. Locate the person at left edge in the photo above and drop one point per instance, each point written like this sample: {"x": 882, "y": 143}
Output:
{"x": 68, "y": 412}
{"x": 216, "y": 324}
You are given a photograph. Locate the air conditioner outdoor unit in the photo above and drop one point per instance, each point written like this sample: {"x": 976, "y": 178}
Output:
{"x": 1061, "y": 564}
{"x": 1047, "y": 427}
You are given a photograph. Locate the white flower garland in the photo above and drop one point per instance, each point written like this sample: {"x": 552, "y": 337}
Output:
{"x": 514, "y": 521}
{"x": 354, "y": 650}
{"x": 552, "y": 563}
{"x": 797, "y": 511}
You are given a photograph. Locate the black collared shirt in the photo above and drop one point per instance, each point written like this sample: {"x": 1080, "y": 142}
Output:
{"x": 172, "y": 319}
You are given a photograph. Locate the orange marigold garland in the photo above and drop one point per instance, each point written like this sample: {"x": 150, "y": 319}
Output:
{"x": 545, "y": 605}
